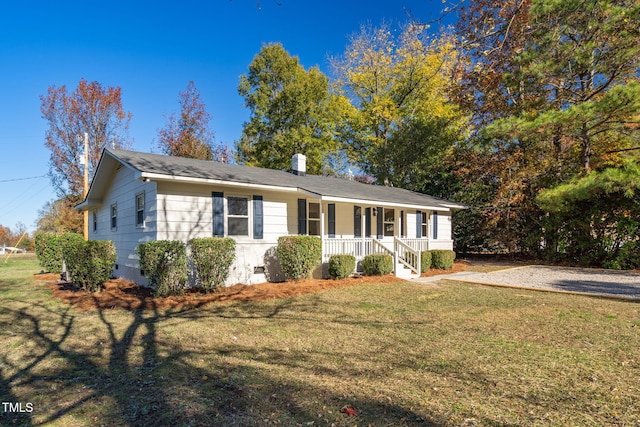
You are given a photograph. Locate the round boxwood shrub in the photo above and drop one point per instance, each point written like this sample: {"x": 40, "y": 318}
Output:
{"x": 442, "y": 259}
{"x": 298, "y": 255}
{"x": 89, "y": 263}
{"x": 341, "y": 266}
{"x": 212, "y": 258}
{"x": 377, "y": 265}
{"x": 164, "y": 263}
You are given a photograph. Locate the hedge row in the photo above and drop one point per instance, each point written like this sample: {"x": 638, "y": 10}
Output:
{"x": 89, "y": 264}
{"x": 438, "y": 259}
{"x": 49, "y": 249}
{"x": 165, "y": 264}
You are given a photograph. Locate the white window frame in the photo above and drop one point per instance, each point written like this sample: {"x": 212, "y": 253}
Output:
{"x": 424, "y": 224}
{"x": 230, "y": 216}
{"x": 385, "y": 222}
{"x": 435, "y": 219}
{"x": 94, "y": 220}
{"x": 313, "y": 219}
{"x": 113, "y": 216}
{"x": 140, "y": 224}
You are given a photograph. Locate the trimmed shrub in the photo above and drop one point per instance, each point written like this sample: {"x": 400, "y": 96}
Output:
{"x": 442, "y": 259}
{"x": 425, "y": 261}
{"x": 377, "y": 265}
{"x": 298, "y": 255}
{"x": 89, "y": 263}
{"x": 164, "y": 263}
{"x": 212, "y": 257}
{"x": 341, "y": 266}
{"x": 49, "y": 249}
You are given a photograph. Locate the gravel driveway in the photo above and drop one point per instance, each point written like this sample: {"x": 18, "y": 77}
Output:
{"x": 579, "y": 280}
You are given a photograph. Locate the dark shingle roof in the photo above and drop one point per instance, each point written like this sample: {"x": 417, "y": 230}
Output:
{"x": 321, "y": 185}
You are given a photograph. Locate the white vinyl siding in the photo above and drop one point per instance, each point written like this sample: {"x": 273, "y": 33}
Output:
{"x": 126, "y": 237}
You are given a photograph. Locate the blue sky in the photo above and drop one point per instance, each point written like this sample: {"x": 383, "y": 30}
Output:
{"x": 152, "y": 49}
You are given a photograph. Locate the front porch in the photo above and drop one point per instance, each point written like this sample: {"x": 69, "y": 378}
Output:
{"x": 405, "y": 251}
{"x": 402, "y": 231}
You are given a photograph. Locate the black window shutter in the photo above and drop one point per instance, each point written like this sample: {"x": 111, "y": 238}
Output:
{"x": 418, "y": 224}
{"x": 367, "y": 222}
{"x": 435, "y": 225}
{"x": 258, "y": 218}
{"x": 218, "y": 214}
{"x": 302, "y": 216}
{"x": 379, "y": 222}
{"x": 357, "y": 221}
{"x": 332, "y": 220}
{"x": 403, "y": 226}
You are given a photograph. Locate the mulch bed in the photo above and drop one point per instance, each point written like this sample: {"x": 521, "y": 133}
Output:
{"x": 119, "y": 293}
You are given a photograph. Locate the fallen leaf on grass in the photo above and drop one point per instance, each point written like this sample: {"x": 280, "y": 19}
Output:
{"x": 349, "y": 411}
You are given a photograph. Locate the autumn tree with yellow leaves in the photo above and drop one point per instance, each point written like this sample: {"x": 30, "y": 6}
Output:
{"x": 400, "y": 124}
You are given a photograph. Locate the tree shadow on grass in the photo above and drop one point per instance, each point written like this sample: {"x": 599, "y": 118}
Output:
{"x": 600, "y": 288}
{"x": 134, "y": 379}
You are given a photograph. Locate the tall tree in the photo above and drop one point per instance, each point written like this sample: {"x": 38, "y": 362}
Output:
{"x": 401, "y": 124}
{"x": 59, "y": 216}
{"x": 91, "y": 109}
{"x": 292, "y": 111}
{"x": 553, "y": 88}
{"x": 587, "y": 55}
{"x": 496, "y": 172}
{"x": 6, "y": 236}
{"x": 189, "y": 135}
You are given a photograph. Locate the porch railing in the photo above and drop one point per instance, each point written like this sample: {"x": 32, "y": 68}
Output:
{"x": 406, "y": 255}
{"x": 357, "y": 247}
{"x": 404, "y": 251}
{"x": 417, "y": 244}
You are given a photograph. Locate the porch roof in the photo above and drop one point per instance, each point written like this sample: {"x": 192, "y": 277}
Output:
{"x": 160, "y": 167}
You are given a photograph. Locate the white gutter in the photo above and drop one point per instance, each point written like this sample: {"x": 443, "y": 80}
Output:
{"x": 147, "y": 176}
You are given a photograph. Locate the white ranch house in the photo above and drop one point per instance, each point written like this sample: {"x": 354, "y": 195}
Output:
{"x": 137, "y": 197}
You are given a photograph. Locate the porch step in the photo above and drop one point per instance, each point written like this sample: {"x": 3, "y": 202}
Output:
{"x": 405, "y": 273}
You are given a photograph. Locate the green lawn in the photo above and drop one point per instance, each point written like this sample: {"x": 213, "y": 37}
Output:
{"x": 401, "y": 354}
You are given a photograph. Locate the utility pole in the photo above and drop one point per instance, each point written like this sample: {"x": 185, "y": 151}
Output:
{"x": 86, "y": 184}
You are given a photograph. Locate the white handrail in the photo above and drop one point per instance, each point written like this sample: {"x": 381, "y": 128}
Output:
{"x": 377, "y": 244}
{"x": 407, "y": 256}
{"x": 418, "y": 244}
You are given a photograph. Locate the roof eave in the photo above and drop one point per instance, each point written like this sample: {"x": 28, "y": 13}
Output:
{"x": 151, "y": 176}
{"x": 88, "y": 204}
{"x": 374, "y": 202}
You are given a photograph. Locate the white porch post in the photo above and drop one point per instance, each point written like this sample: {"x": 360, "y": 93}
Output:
{"x": 322, "y": 228}
{"x": 363, "y": 230}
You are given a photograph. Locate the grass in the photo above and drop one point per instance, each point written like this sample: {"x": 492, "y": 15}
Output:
{"x": 400, "y": 354}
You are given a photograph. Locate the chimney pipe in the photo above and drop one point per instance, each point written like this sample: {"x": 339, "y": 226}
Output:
{"x": 299, "y": 164}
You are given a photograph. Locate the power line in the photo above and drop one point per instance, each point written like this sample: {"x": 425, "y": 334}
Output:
{"x": 23, "y": 179}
